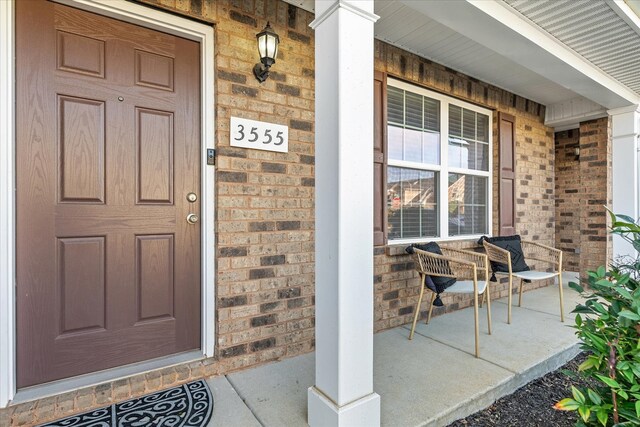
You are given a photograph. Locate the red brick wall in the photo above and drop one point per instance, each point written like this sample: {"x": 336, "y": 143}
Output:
{"x": 596, "y": 191}
{"x": 264, "y": 200}
{"x": 568, "y": 195}
{"x": 583, "y": 188}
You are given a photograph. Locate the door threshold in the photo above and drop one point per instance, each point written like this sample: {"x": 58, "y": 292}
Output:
{"x": 108, "y": 375}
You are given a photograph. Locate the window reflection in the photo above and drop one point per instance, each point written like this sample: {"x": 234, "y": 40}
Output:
{"x": 412, "y": 203}
{"x": 467, "y": 207}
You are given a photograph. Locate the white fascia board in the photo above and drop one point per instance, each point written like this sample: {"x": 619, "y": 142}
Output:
{"x": 505, "y": 31}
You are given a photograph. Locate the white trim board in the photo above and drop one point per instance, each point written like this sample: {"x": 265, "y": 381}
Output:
{"x": 145, "y": 17}
{"x": 7, "y": 205}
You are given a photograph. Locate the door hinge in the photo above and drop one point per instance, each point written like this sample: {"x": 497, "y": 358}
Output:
{"x": 211, "y": 157}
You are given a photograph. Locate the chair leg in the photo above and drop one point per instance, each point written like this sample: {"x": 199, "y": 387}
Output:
{"x": 487, "y": 292}
{"x": 477, "y": 329}
{"x": 520, "y": 296}
{"x": 561, "y": 299}
{"x": 417, "y": 313}
{"x": 433, "y": 298}
{"x": 509, "y": 299}
{"x": 483, "y": 298}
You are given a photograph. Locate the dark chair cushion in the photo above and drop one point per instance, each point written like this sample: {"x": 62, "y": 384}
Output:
{"x": 513, "y": 245}
{"x": 436, "y": 283}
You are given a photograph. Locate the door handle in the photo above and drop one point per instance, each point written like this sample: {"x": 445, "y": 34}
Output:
{"x": 192, "y": 218}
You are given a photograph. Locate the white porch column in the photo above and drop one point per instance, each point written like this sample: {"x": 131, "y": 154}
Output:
{"x": 343, "y": 392}
{"x": 626, "y": 179}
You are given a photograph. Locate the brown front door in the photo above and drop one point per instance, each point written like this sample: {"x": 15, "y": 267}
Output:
{"x": 108, "y": 147}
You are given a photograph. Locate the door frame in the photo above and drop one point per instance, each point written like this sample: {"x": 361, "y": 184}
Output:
{"x": 143, "y": 16}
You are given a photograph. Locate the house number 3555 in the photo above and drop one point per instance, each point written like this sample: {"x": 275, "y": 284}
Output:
{"x": 259, "y": 135}
{"x": 254, "y": 136}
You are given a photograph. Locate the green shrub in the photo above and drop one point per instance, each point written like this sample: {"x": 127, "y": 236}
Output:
{"x": 608, "y": 324}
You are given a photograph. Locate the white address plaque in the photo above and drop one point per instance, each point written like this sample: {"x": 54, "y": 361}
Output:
{"x": 259, "y": 135}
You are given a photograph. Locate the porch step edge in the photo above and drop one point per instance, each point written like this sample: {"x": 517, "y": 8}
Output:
{"x": 486, "y": 398}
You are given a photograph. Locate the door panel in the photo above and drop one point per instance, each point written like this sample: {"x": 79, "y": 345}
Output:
{"x": 82, "y": 284}
{"x": 80, "y": 54}
{"x": 81, "y": 147}
{"x": 108, "y": 128}
{"x": 154, "y": 138}
{"x": 154, "y": 70}
{"x": 154, "y": 274}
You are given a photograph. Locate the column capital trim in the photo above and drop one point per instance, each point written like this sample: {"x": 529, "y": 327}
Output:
{"x": 634, "y": 108}
{"x": 347, "y": 6}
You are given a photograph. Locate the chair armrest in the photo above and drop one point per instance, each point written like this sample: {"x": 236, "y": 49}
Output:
{"x": 497, "y": 254}
{"x": 481, "y": 260}
{"x": 540, "y": 252}
{"x": 440, "y": 265}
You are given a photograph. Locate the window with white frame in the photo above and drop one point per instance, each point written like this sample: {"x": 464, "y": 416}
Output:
{"x": 438, "y": 165}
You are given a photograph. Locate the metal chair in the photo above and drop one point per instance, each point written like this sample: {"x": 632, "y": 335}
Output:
{"x": 532, "y": 251}
{"x": 459, "y": 264}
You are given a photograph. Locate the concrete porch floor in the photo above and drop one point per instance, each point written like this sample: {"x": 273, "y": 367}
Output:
{"x": 430, "y": 381}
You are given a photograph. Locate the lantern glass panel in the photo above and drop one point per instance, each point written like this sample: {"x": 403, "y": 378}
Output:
{"x": 272, "y": 47}
{"x": 262, "y": 45}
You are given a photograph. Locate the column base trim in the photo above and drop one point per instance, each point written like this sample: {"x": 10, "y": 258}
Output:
{"x": 323, "y": 412}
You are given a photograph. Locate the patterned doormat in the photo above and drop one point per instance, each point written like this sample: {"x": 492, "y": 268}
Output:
{"x": 189, "y": 405}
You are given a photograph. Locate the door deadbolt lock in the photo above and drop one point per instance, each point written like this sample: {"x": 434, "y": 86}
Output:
{"x": 192, "y": 218}
{"x": 192, "y": 197}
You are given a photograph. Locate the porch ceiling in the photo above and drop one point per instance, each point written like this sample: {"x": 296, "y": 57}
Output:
{"x": 401, "y": 26}
{"x": 549, "y": 51}
{"x": 494, "y": 42}
{"x": 600, "y": 31}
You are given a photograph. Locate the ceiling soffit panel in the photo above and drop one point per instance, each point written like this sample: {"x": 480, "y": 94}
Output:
{"x": 594, "y": 30}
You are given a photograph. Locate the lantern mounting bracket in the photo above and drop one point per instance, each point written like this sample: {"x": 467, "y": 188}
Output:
{"x": 261, "y": 72}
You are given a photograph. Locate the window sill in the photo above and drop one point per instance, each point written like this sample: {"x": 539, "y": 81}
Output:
{"x": 398, "y": 248}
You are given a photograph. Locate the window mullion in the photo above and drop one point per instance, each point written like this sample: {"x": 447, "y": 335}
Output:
{"x": 420, "y": 224}
{"x": 401, "y": 205}
{"x": 473, "y": 205}
{"x": 404, "y": 120}
{"x": 414, "y": 165}
{"x": 443, "y": 196}
{"x": 473, "y": 172}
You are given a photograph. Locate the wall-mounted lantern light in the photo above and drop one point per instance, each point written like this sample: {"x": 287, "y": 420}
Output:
{"x": 268, "y": 42}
